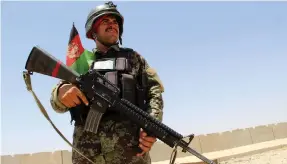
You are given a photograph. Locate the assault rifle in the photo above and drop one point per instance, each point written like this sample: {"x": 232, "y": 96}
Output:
{"x": 101, "y": 95}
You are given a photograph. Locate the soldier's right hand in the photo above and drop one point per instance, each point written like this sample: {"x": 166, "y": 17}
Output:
{"x": 71, "y": 96}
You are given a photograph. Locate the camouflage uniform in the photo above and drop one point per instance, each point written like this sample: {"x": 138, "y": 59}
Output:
{"x": 117, "y": 139}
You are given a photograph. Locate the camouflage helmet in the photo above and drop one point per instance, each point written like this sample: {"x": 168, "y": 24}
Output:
{"x": 101, "y": 10}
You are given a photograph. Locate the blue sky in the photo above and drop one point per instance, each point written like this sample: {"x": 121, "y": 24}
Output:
{"x": 223, "y": 64}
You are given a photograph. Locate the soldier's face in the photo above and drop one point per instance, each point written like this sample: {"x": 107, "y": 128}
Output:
{"x": 108, "y": 30}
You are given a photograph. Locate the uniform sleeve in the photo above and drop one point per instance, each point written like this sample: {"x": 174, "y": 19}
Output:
{"x": 154, "y": 90}
{"x": 55, "y": 103}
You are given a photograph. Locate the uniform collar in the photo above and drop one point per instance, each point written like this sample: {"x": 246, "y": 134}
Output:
{"x": 113, "y": 47}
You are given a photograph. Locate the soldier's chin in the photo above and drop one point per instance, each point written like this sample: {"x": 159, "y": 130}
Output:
{"x": 111, "y": 42}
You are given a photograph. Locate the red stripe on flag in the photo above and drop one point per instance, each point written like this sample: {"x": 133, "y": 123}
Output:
{"x": 75, "y": 50}
{"x": 56, "y": 69}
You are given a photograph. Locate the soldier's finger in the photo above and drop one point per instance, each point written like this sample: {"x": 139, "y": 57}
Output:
{"x": 82, "y": 96}
{"x": 76, "y": 100}
{"x": 144, "y": 148}
{"x": 71, "y": 104}
{"x": 67, "y": 99}
{"x": 141, "y": 154}
{"x": 143, "y": 134}
{"x": 67, "y": 102}
{"x": 72, "y": 99}
{"x": 149, "y": 139}
{"x": 146, "y": 143}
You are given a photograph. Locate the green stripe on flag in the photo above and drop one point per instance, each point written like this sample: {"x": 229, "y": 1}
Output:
{"x": 83, "y": 63}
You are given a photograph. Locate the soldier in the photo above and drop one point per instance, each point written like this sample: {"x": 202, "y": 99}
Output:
{"x": 118, "y": 140}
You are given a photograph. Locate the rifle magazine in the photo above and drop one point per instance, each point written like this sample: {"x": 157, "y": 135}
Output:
{"x": 93, "y": 120}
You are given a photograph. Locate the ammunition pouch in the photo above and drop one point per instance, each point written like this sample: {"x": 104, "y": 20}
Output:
{"x": 142, "y": 91}
{"x": 118, "y": 70}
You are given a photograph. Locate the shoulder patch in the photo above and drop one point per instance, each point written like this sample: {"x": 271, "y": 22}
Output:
{"x": 153, "y": 75}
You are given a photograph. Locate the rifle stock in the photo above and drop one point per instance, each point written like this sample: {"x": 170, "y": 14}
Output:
{"x": 103, "y": 94}
{"x": 40, "y": 61}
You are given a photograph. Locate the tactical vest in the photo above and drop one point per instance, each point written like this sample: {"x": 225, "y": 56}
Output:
{"x": 116, "y": 66}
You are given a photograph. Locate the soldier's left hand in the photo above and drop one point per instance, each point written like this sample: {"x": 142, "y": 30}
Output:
{"x": 146, "y": 142}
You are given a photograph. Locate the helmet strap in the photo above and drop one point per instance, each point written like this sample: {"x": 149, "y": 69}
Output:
{"x": 120, "y": 40}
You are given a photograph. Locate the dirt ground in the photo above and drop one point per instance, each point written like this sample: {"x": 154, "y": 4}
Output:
{"x": 277, "y": 156}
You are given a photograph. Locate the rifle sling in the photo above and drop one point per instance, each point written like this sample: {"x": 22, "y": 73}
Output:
{"x": 27, "y": 79}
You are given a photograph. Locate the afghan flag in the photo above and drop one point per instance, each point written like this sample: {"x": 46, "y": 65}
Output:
{"x": 78, "y": 58}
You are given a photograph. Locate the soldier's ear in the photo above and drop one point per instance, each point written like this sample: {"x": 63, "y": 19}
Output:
{"x": 94, "y": 35}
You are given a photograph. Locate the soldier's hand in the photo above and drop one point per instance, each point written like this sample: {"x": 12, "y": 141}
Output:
{"x": 71, "y": 96}
{"x": 146, "y": 142}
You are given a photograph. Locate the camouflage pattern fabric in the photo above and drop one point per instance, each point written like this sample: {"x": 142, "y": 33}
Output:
{"x": 117, "y": 139}
{"x": 115, "y": 143}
